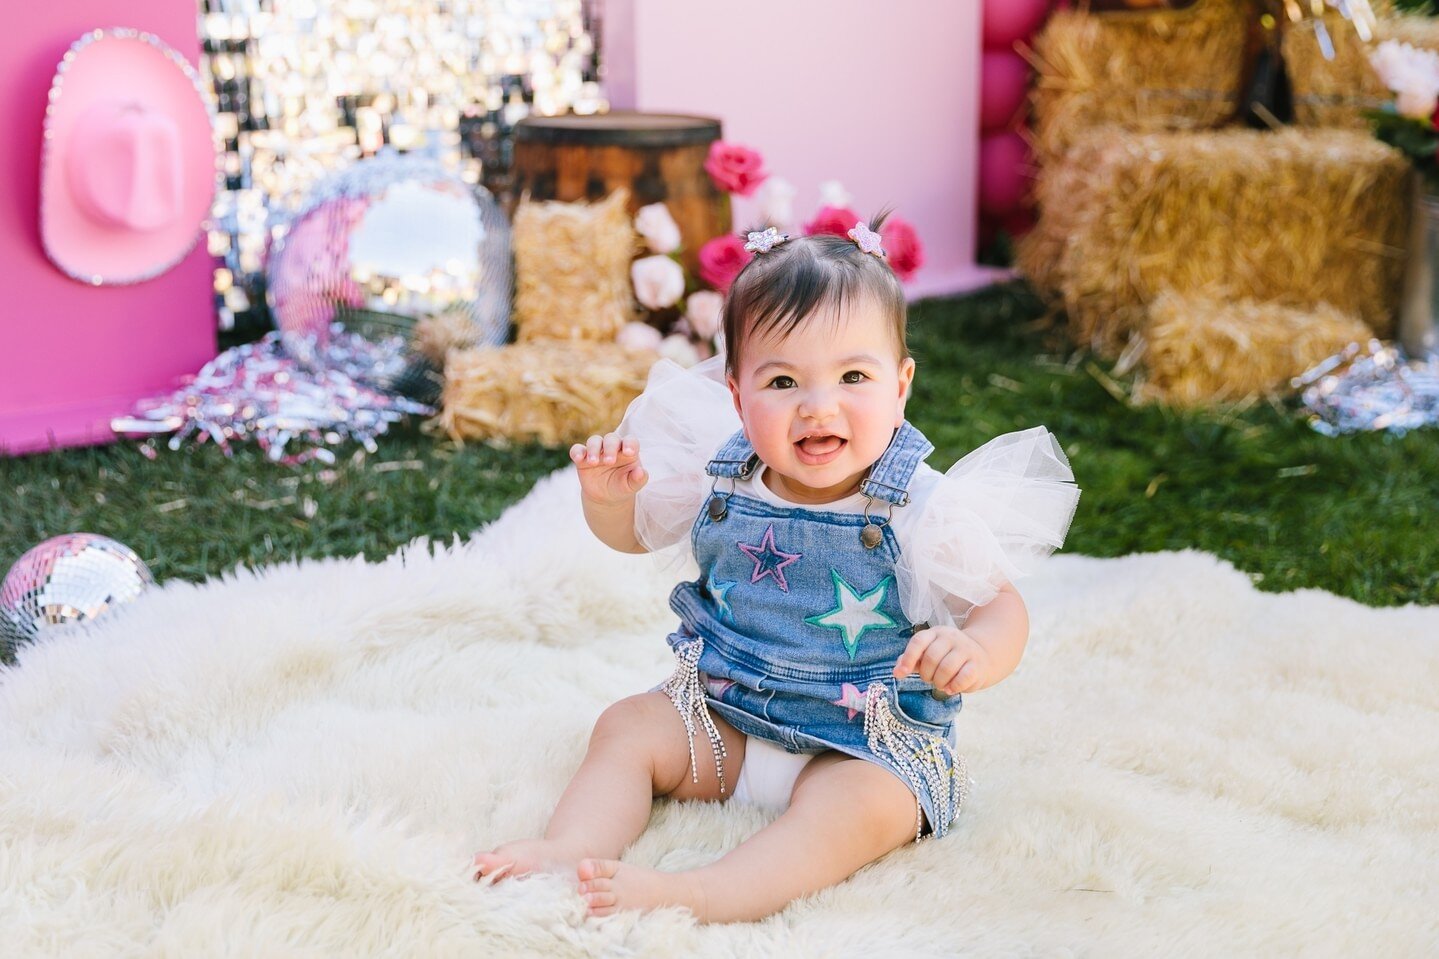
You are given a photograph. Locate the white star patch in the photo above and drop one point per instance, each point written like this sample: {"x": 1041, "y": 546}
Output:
{"x": 854, "y": 612}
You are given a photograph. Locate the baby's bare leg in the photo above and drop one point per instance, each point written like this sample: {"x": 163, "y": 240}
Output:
{"x": 844, "y": 814}
{"x": 638, "y": 750}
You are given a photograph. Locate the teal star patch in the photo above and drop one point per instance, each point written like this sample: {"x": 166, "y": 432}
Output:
{"x": 854, "y": 612}
{"x": 718, "y": 591}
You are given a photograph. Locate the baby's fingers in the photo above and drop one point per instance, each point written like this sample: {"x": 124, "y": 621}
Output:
{"x": 636, "y": 478}
{"x": 587, "y": 453}
{"x": 908, "y": 661}
{"x": 619, "y": 450}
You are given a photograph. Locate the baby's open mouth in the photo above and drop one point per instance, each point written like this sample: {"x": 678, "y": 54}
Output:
{"x": 820, "y": 445}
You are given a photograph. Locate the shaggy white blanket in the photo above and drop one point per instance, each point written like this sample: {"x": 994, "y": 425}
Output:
{"x": 300, "y": 761}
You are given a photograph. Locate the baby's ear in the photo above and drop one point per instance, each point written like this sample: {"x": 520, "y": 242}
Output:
{"x": 906, "y": 380}
{"x": 733, "y": 385}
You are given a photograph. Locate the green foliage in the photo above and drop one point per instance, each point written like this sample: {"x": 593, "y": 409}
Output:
{"x": 1354, "y": 515}
{"x": 1416, "y": 139}
{"x": 1428, "y": 8}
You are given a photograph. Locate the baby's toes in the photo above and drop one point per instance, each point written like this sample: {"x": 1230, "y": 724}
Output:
{"x": 599, "y": 902}
{"x": 491, "y": 865}
{"x": 597, "y": 872}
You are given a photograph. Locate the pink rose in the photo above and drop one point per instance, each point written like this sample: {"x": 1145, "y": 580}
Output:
{"x": 838, "y": 220}
{"x": 721, "y": 259}
{"x": 735, "y": 169}
{"x": 902, "y": 247}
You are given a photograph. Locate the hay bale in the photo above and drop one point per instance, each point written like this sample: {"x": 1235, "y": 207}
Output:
{"x": 1298, "y": 218}
{"x": 1142, "y": 70}
{"x": 551, "y": 392}
{"x": 1201, "y": 349}
{"x": 1333, "y": 93}
{"x": 572, "y": 269}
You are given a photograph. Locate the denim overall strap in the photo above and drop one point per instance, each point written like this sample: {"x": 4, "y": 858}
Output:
{"x": 889, "y": 477}
{"x": 735, "y": 460}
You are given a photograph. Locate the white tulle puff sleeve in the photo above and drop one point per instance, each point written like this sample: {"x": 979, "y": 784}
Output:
{"x": 987, "y": 521}
{"x": 681, "y": 419}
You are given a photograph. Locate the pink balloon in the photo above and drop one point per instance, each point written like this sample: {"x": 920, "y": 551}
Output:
{"x": 1006, "y": 21}
{"x": 988, "y": 229}
{"x": 1019, "y": 222}
{"x": 1003, "y": 83}
{"x": 1004, "y": 176}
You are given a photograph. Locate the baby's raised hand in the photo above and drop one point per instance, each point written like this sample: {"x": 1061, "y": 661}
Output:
{"x": 609, "y": 466}
{"x": 946, "y": 658}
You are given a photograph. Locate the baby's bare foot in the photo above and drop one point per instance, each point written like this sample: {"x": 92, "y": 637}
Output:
{"x": 609, "y": 885}
{"x": 525, "y": 856}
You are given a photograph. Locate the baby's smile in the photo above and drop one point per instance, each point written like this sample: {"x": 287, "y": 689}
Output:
{"x": 818, "y": 449}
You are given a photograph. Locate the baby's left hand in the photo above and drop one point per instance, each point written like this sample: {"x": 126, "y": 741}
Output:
{"x": 946, "y": 658}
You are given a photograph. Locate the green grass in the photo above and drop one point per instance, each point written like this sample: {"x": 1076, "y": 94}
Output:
{"x": 1354, "y": 515}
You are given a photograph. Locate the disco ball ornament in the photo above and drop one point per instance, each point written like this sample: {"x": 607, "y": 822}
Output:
{"x": 388, "y": 243}
{"x": 66, "y": 579}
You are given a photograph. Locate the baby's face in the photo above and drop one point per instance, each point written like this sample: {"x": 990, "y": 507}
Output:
{"x": 821, "y": 405}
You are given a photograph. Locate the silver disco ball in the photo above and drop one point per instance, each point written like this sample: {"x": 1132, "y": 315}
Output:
{"x": 384, "y": 244}
{"x": 66, "y": 579}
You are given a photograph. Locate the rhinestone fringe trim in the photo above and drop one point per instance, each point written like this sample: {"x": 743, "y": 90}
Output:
{"x": 687, "y": 691}
{"x": 923, "y": 758}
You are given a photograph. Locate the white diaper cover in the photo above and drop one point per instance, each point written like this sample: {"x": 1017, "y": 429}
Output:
{"x": 767, "y": 777}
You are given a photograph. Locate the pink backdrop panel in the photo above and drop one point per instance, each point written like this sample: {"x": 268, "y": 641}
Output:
{"x": 71, "y": 355}
{"x": 882, "y": 97}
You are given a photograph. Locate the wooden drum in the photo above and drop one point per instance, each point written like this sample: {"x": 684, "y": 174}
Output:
{"x": 659, "y": 157}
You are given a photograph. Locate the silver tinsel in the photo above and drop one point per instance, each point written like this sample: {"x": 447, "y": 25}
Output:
{"x": 1370, "y": 387}
{"x": 259, "y": 393}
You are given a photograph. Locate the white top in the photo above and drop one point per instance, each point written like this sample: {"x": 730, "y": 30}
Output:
{"x": 985, "y": 521}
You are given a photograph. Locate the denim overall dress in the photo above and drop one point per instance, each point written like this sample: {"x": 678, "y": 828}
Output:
{"x": 792, "y": 630}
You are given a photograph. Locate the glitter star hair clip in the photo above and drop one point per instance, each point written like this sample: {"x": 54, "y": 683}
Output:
{"x": 762, "y": 241}
{"x": 866, "y": 239}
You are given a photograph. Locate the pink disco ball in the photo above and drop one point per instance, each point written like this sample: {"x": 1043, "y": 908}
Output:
{"x": 66, "y": 579}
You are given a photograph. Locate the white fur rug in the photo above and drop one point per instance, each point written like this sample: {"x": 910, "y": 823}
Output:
{"x": 300, "y": 761}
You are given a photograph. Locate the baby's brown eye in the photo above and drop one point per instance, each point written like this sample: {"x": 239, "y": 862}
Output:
{"x": 853, "y": 376}
{"x": 781, "y": 383}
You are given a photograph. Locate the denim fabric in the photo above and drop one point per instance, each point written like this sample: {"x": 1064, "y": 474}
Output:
{"x": 801, "y": 625}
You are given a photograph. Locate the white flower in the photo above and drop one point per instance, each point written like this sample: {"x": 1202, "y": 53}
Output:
{"x": 1413, "y": 76}
{"x": 680, "y": 349}
{"x": 638, "y": 337}
{"x": 833, "y": 193}
{"x": 776, "y": 201}
{"x": 702, "y": 309}
{"x": 659, "y": 281}
{"x": 659, "y": 229}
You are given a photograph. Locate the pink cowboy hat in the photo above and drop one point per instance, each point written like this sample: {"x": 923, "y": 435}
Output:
{"x": 128, "y": 168}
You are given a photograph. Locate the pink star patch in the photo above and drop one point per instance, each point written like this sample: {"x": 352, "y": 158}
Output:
{"x": 717, "y": 687}
{"x": 851, "y": 699}
{"x": 769, "y": 560}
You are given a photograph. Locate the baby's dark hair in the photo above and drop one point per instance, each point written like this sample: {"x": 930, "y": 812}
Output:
{"x": 783, "y": 288}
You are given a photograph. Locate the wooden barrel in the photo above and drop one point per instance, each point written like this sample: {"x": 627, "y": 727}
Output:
{"x": 659, "y": 157}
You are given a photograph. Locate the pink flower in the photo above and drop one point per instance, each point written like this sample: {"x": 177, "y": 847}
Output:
{"x": 838, "y": 220}
{"x": 735, "y": 169}
{"x": 721, "y": 259}
{"x": 702, "y": 309}
{"x": 902, "y": 247}
{"x": 639, "y": 337}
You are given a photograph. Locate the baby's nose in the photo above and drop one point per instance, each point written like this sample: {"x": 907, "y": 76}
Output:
{"x": 818, "y": 405}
